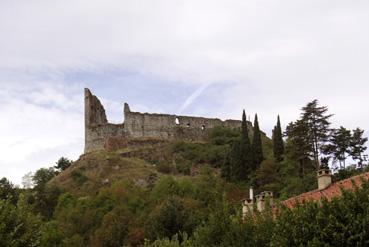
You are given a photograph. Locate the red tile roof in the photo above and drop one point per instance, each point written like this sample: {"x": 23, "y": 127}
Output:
{"x": 334, "y": 190}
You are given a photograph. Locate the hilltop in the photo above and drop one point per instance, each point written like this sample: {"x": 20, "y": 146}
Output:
{"x": 144, "y": 160}
{"x": 152, "y": 191}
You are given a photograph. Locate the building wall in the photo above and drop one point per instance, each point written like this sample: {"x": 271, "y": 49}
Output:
{"x": 136, "y": 125}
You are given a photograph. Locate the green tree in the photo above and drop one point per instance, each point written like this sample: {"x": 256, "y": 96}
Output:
{"x": 297, "y": 145}
{"x": 63, "y": 163}
{"x": 316, "y": 119}
{"x": 216, "y": 229}
{"x": 278, "y": 144}
{"x": 267, "y": 177}
{"x": 45, "y": 197}
{"x": 8, "y": 191}
{"x": 114, "y": 228}
{"x": 235, "y": 161}
{"x": 223, "y": 135}
{"x": 27, "y": 180}
{"x": 357, "y": 145}
{"x": 339, "y": 222}
{"x": 257, "y": 149}
{"x": 18, "y": 226}
{"x": 42, "y": 176}
{"x": 240, "y": 156}
{"x": 225, "y": 170}
{"x": 174, "y": 215}
{"x": 246, "y": 165}
{"x": 51, "y": 235}
{"x": 176, "y": 241}
{"x": 339, "y": 145}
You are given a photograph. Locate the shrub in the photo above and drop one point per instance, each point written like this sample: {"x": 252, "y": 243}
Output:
{"x": 165, "y": 168}
{"x": 78, "y": 177}
{"x": 200, "y": 153}
{"x": 184, "y": 168}
{"x": 18, "y": 226}
{"x": 114, "y": 228}
{"x": 223, "y": 135}
{"x": 172, "y": 216}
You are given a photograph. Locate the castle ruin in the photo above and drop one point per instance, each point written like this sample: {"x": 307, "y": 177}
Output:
{"x": 100, "y": 134}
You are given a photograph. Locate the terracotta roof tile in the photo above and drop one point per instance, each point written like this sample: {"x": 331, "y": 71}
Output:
{"x": 334, "y": 190}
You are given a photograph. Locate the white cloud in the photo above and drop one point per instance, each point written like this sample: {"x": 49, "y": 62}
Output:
{"x": 275, "y": 55}
{"x": 190, "y": 41}
{"x": 40, "y": 122}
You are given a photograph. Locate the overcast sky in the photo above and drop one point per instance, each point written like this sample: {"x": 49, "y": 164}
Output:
{"x": 195, "y": 57}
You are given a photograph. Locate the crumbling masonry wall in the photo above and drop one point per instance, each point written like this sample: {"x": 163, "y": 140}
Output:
{"x": 100, "y": 135}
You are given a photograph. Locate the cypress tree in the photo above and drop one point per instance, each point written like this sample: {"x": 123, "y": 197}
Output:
{"x": 257, "y": 149}
{"x": 278, "y": 145}
{"x": 245, "y": 150}
{"x": 239, "y": 162}
{"x": 225, "y": 171}
{"x": 235, "y": 165}
{"x": 245, "y": 134}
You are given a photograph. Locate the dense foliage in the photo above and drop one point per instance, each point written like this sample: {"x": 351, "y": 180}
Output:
{"x": 278, "y": 144}
{"x": 257, "y": 146}
{"x": 193, "y": 191}
{"x": 244, "y": 157}
{"x": 342, "y": 222}
{"x": 121, "y": 214}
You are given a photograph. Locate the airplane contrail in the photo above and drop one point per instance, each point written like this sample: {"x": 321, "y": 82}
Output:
{"x": 194, "y": 96}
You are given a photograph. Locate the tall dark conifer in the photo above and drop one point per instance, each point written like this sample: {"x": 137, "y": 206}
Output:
{"x": 238, "y": 164}
{"x": 357, "y": 145}
{"x": 245, "y": 133}
{"x": 297, "y": 145}
{"x": 278, "y": 145}
{"x": 339, "y": 146}
{"x": 236, "y": 169}
{"x": 257, "y": 149}
{"x": 316, "y": 119}
{"x": 225, "y": 171}
{"x": 245, "y": 149}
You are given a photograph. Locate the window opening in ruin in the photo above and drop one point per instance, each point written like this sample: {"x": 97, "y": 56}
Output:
{"x": 188, "y": 125}
{"x": 203, "y": 127}
{"x": 177, "y": 121}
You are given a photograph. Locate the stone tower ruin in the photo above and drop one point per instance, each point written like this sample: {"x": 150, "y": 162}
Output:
{"x": 100, "y": 134}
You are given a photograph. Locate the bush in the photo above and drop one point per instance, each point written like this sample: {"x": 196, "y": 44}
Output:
{"x": 114, "y": 228}
{"x": 184, "y": 168}
{"x": 165, "y": 186}
{"x": 18, "y": 226}
{"x": 78, "y": 177}
{"x": 176, "y": 241}
{"x": 223, "y": 135}
{"x": 165, "y": 168}
{"x": 172, "y": 216}
{"x": 200, "y": 153}
{"x": 51, "y": 234}
{"x": 8, "y": 191}
{"x": 345, "y": 173}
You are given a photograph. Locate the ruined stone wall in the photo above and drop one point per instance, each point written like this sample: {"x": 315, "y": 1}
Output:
{"x": 97, "y": 128}
{"x": 99, "y": 133}
{"x": 172, "y": 126}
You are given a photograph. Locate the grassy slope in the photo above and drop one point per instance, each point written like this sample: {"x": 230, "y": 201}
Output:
{"x": 141, "y": 163}
{"x": 94, "y": 170}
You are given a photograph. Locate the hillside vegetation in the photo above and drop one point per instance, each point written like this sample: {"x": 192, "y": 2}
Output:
{"x": 99, "y": 169}
{"x": 145, "y": 162}
{"x": 160, "y": 193}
